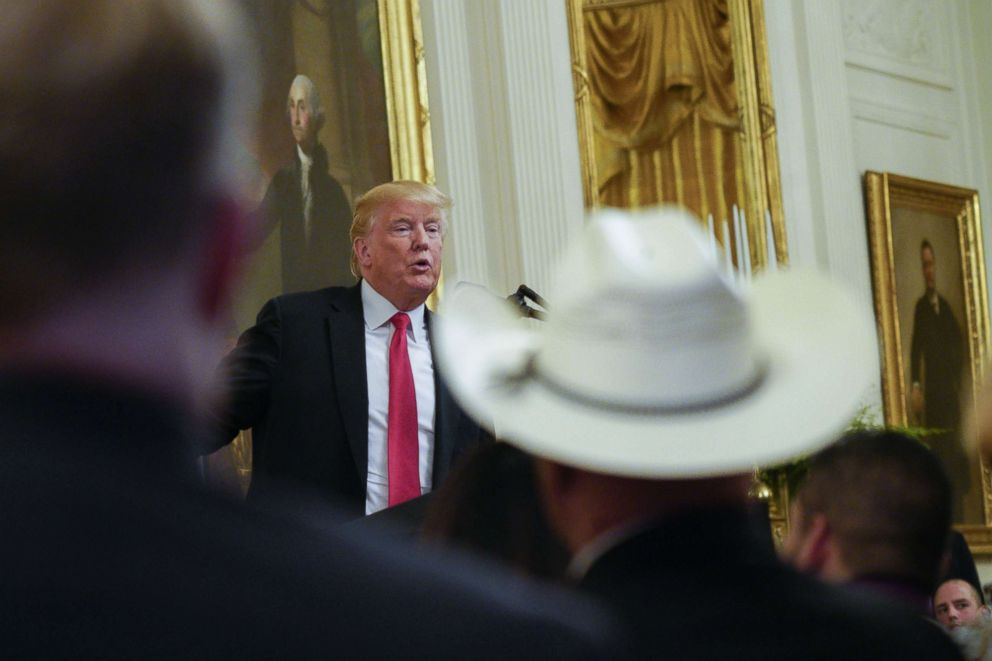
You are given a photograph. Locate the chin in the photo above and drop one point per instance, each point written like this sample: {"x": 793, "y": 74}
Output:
{"x": 427, "y": 281}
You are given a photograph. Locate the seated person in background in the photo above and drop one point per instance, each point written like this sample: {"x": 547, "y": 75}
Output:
{"x": 960, "y": 610}
{"x": 338, "y": 384}
{"x": 959, "y": 563}
{"x": 121, "y": 234}
{"x": 957, "y": 603}
{"x": 490, "y": 506}
{"x": 648, "y": 396}
{"x": 874, "y": 511}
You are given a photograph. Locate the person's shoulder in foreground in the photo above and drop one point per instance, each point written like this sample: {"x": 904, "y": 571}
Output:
{"x": 105, "y": 557}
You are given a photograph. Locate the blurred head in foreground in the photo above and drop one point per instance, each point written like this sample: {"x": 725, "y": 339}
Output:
{"x": 120, "y": 230}
{"x": 874, "y": 507}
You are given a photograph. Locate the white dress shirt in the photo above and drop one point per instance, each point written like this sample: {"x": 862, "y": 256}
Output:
{"x": 378, "y": 334}
{"x": 305, "y": 164}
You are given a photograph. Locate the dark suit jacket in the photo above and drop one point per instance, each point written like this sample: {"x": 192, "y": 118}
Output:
{"x": 325, "y": 259}
{"x": 297, "y": 379}
{"x": 705, "y": 586}
{"x": 936, "y": 348}
{"x": 110, "y": 551}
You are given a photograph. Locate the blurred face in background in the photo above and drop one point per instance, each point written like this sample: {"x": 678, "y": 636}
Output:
{"x": 956, "y": 603}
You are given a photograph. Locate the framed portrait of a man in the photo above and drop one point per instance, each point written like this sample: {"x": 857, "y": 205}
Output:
{"x": 342, "y": 108}
{"x": 931, "y": 303}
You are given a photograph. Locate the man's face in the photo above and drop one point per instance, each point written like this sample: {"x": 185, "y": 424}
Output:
{"x": 401, "y": 256}
{"x": 929, "y": 270}
{"x": 955, "y": 604}
{"x": 301, "y": 118}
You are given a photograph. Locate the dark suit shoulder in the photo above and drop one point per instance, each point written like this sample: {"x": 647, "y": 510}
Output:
{"x": 318, "y": 301}
{"x": 123, "y": 567}
{"x": 111, "y": 551}
{"x": 756, "y": 607}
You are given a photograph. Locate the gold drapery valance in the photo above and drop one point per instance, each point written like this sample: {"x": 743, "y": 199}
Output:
{"x": 665, "y": 105}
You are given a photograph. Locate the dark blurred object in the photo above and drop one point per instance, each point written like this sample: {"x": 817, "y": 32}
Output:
{"x": 106, "y": 544}
{"x": 490, "y": 506}
{"x": 762, "y": 524}
{"x": 404, "y": 521}
{"x": 961, "y": 564}
{"x": 520, "y": 298}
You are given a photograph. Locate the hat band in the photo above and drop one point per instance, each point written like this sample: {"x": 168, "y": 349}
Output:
{"x": 530, "y": 370}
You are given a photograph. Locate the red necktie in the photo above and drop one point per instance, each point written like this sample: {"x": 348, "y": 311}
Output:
{"x": 401, "y": 425}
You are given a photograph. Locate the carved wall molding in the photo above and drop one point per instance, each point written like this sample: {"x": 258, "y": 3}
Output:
{"x": 898, "y": 37}
{"x": 901, "y": 118}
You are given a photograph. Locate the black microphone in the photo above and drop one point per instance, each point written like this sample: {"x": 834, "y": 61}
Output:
{"x": 520, "y": 300}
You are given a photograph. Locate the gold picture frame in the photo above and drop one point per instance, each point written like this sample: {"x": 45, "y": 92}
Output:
{"x": 931, "y": 304}
{"x": 754, "y": 126}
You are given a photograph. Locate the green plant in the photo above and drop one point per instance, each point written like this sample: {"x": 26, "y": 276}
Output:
{"x": 867, "y": 418}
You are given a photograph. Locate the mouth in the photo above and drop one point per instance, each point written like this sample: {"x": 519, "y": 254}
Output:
{"x": 421, "y": 266}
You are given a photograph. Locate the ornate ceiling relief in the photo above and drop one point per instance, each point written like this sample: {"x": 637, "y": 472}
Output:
{"x": 907, "y": 31}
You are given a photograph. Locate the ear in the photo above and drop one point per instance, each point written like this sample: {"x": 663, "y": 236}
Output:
{"x": 555, "y": 483}
{"x": 224, "y": 245}
{"x": 318, "y": 123}
{"x": 361, "y": 248}
{"x": 816, "y": 548}
{"x": 555, "y": 480}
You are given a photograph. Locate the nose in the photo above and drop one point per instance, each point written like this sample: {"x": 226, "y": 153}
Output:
{"x": 418, "y": 236}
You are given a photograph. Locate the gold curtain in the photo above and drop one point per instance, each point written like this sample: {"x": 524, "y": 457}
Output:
{"x": 665, "y": 104}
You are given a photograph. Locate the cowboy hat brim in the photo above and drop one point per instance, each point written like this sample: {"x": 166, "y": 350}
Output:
{"x": 818, "y": 352}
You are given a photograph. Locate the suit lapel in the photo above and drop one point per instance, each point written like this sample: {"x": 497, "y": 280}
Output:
{"x": 443, "y": 445}
{"x": 346, "y": 333}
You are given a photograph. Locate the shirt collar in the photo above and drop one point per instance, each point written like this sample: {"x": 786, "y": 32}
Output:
{"x": 305, "y": 160}
{"x": 588, "y": 555}
{"x": 378, "y": 311}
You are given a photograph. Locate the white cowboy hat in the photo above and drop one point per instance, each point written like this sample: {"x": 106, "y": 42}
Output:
{"x": 653, "y": 363}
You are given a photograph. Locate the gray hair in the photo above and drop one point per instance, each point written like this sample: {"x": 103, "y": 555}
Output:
{"x": 311, "y": 93}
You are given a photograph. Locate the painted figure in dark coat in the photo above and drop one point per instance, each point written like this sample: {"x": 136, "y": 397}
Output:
{"x": 308, "y": 204}
{"x": 935, "y": 353}
{"x": 935, "y": 364}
